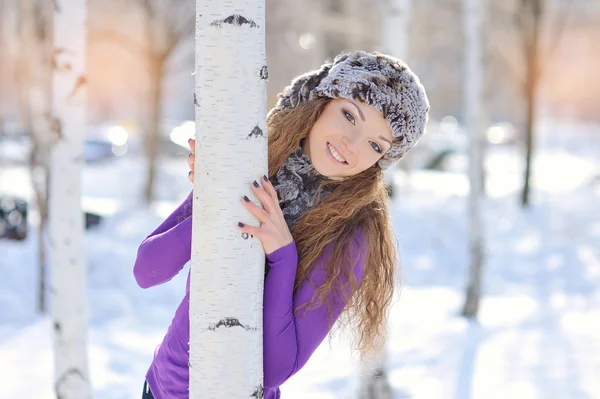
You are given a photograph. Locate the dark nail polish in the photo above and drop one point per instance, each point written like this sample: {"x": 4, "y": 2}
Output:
{"x": 189, "y": 155}
{"x": 189, "y": 140}
{"x": 246, "y": 199}
{"x": 255, "y": 184}
{"x": 189, "y": 173}
{"x": 265, "y": 178}
{"x": 241, "y": 224}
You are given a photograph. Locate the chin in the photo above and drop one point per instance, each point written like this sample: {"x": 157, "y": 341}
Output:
{"x": 322, "y": 169}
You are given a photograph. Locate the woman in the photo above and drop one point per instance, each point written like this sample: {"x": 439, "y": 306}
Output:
{"x": 324, "y": 220}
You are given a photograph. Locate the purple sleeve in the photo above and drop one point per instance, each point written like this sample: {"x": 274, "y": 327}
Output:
{"x": 167, "y": 249}
{"x": 290, "y": 339}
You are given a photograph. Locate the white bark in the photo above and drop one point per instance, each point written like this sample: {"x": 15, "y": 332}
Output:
{"x": 395, "y": 40}
{"x": 396, "y": 17}
{"x": 395, "y": 27}
{"x": 474, "y": 120}
{"x": 227, "y": 270}
{"x": 66, "y": 231}
{"x": 374, "y": 382}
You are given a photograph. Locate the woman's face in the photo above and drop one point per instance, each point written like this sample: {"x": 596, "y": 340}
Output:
{"x": 348, "y": 138}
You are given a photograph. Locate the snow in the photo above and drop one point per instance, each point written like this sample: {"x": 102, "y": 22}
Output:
{"x": 537, "y": 336}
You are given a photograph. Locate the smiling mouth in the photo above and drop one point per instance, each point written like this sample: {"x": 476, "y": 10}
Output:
{"x": 333, "y": 154}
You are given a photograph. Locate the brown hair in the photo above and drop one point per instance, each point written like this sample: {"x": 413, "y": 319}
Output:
{"x": 359, "y": 202}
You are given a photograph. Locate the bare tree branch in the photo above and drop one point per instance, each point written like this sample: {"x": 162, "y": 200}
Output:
{"x": 180, "y": 27}
{"x": 495, "y": 49}
{"x": 559, "y": 27}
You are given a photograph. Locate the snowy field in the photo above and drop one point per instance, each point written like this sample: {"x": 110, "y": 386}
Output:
{"x": 538, "y": 335}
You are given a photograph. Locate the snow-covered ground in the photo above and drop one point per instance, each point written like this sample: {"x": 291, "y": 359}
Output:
{"x": 538, "y": 334}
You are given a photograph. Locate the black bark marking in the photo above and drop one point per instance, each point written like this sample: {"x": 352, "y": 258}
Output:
{"x": 259, "y": 393}
{"x": 256, "y": 132}
{"x": 56, "y": 128}
{"x": 264, "y": 73}
{"x": 57, "y": 326}
{"x": 235, "y": 19}
{"x": 196, "y": 103}
{"x": 68, "y": 373}
{"x": 66, "y": 67}
{"x": 81, "y": 81}
{"x": 229, "y": 322}
{"x": 245, "y": 236}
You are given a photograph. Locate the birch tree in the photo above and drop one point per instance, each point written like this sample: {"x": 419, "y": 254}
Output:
{"x": 474, "y": 66}
{"x": 34, "y": 75}
{"x": 395, "y": 41}
{"x": 395, "y": 32}
{"x": 227, "y": 268}
{"x": 396, "y": 16}
{"x": 66, "y": 231}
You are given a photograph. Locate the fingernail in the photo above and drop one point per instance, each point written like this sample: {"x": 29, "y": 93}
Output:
{"x": 241, "y": 224}
{"x": 265, "y": 178}
{"x": 189, "y": 173}
{"x": 246, "y": 199}
{"x": 255, "y": 184}
{"x": 189, "y": 140}
{"x": 189, "y": 155}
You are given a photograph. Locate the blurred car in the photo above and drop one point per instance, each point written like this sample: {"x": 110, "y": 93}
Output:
{"x": 105, "y": 142}
{"x": 102, "y": 142}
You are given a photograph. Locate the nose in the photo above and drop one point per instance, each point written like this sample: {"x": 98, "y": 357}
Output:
{"x": 350, "y": 144}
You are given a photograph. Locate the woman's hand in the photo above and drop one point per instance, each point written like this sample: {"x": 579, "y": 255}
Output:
{"x": 273, "y": 232}
{"x": 191, "y": 159}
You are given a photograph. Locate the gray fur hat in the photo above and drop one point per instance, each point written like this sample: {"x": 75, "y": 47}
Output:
{"x": 384, "y": 82}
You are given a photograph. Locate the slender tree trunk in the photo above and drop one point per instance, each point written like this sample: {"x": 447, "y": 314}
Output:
{"x": 395, "y": 40}
{"x": 154, "y": 119}
{"x": 473, "y": 20}
{"x": 395, "y": 32}
{"x": 227, "y": 269}
{"x": 374, "y": 383}
{"x": 68, "y": 283}
{"x": 41, "y": 177}
{"x": 35, "y": 61}
{"x": 531, "y": 33}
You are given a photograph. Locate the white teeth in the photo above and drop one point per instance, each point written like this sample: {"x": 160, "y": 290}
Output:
{"x": 337, "y": 156}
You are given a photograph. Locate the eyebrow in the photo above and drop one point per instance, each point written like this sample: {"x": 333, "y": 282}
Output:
{"x": 386, "y": 140}
{"x": 364, "y": 120}
{"x": 359, "y": 111}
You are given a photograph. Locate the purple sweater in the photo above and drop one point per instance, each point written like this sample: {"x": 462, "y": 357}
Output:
{"x": 289, "y": 339}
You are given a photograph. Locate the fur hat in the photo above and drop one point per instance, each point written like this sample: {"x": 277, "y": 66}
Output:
{"x": 384, "y": 82}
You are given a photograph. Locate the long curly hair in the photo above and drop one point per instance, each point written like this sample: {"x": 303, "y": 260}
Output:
{"x": 359, "y": 202}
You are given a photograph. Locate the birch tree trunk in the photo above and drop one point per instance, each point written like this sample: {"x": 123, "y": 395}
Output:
{"x": 473, "y": 20}
{"x": 227, "y": 269}
{"x": 374, "y": 382}
{"x": 35, "y": 78}
{"x": 395, "y": 34}
{"x": 66, "y": 232}
{"x": 395, "y": 39}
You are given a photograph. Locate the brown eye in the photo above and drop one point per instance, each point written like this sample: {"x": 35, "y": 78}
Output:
{"x": 376, "y": 147}
{"x": 349, "y": 117}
